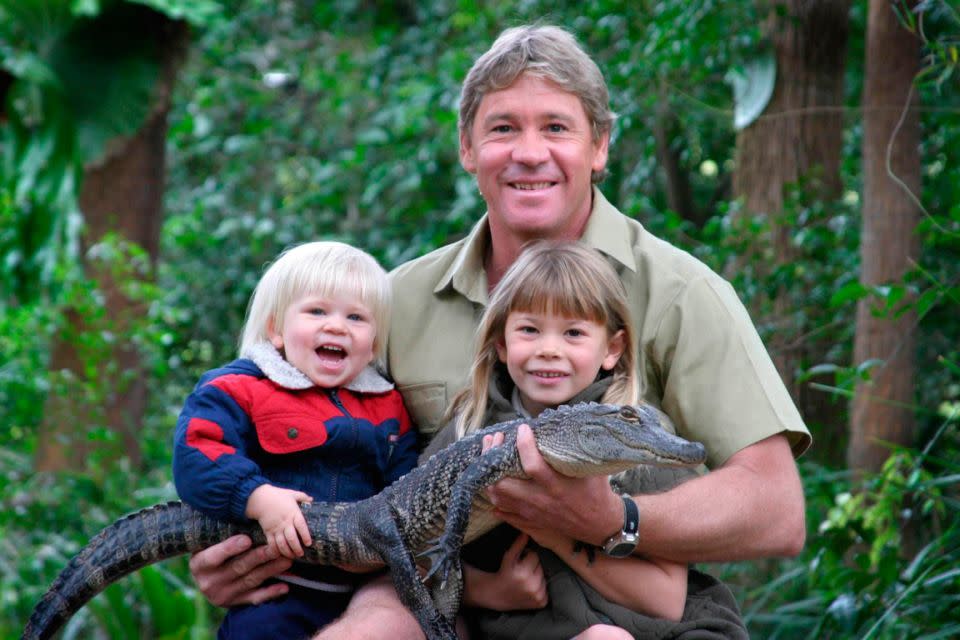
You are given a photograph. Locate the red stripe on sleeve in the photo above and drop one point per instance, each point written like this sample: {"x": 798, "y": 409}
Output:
{"x": 207, "y": 437}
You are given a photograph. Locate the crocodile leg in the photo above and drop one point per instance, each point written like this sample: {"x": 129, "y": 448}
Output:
{"x": 448, "y": 595}
{"x": 482, "y": 472}
{"x": 380, "y": 524}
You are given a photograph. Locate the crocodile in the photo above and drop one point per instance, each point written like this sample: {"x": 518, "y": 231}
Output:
{"x": 423, "y": 518}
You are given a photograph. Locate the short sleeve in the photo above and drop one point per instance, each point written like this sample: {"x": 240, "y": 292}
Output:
{"x": 719, "y": 384}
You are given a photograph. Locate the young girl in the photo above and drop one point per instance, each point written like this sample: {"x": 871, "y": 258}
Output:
{"x": 301, "y": 416}
{"x": 556, "y": 331}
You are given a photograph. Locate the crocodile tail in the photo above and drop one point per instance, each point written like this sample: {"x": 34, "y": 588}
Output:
{"x": 150, "y": 535}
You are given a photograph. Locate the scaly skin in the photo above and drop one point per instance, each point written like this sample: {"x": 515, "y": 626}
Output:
{"x": 430, "y": 513}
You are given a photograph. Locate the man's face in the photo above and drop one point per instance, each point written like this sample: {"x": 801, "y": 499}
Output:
{"x": 531, "y": 147}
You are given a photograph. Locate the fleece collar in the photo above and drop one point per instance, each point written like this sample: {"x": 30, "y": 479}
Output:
{"x": 266, "y": 356}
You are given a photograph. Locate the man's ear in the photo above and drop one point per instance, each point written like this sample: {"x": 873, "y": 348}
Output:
{"x": 615, "y": 347}
{"x": 466, "y": 152}
{"x": 601, "y": 149}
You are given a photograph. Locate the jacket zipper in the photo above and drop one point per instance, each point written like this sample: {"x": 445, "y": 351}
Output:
{"x": 335, "y": 398}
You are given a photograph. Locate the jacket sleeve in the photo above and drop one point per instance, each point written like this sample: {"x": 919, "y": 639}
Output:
{"x": 211, "y": 467}
{"x": 403, "y": 455}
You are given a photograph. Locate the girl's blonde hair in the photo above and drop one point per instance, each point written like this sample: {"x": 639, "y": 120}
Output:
{"x": 566, "y": 279}
{"x": 325, "y": 269}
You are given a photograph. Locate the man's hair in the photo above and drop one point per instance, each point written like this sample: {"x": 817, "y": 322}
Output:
{"x": 325, "y": 269}
{"x": 544, "y": 51}
{"x": 566, "y": 279}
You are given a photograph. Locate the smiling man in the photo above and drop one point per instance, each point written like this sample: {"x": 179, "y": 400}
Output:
{"x": 535, "y": 131}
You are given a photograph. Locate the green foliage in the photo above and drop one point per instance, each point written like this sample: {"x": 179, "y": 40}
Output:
{"x": 883, "y": 562}
{"x": 76, "y": 75}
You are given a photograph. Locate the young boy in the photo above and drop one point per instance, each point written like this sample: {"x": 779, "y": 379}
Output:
{"x": 301, "y": 416}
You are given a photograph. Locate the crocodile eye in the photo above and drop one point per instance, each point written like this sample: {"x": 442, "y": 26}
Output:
{"x": 629, "y": 414}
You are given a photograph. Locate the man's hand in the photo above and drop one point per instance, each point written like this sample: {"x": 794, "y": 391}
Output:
{"x": 579, "y": 508}
{"x": 230, "y": 573}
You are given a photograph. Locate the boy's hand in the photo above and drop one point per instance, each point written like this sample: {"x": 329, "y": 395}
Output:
{"x": 278, "y": 512}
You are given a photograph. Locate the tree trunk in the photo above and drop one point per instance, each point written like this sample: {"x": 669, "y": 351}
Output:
{"x": 676, "y": 180}
{"x": 120, "y": 194}
{"x": 798, "y": 138}
{"x": 889, "y": 244}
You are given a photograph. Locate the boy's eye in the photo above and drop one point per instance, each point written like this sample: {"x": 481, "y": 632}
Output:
{"x": 574, "y": 333}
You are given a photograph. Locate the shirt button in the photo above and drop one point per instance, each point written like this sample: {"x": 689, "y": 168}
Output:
{"x": 292, "y": 433}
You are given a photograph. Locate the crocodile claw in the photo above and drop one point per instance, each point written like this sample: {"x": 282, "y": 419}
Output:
{"x": 441, "y": 561}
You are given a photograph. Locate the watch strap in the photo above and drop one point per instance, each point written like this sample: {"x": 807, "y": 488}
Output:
{"x": 622, "y": 543}
{"x": 631, "y": 516}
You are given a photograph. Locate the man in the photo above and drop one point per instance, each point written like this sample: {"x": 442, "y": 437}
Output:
{"x": 535, "y": 130}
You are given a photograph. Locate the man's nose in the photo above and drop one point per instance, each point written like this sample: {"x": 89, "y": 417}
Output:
{"x": 531, "y": 149}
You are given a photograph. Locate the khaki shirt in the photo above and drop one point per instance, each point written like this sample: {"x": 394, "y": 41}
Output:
{"x": 700, "y": 359}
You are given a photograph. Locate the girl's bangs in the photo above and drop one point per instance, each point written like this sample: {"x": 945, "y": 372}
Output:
{"x": 553, "y": 294}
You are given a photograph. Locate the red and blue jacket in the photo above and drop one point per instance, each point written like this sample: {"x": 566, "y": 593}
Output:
{"x": 241, "y": 428}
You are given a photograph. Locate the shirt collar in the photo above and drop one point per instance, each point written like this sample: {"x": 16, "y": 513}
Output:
{"x": 606, "y": 230}
{"x": 466, "y": 274}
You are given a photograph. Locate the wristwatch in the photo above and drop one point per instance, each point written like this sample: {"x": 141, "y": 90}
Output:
{"x": 622, "y": 544}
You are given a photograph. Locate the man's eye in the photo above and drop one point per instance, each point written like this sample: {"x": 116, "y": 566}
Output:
{"x": 556, "y": 128}
{"x": 502, "y": 128}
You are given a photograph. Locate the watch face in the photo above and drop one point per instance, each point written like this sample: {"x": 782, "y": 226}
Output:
{"x": 621, "y": 549}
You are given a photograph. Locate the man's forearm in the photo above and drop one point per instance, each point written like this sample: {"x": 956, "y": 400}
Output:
{"x": 752, "y": 507}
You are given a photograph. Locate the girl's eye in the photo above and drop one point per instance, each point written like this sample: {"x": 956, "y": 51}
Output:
{"x": 527, "y": 329}
{"x": 355, "y": 317}
{"x": 556, "y": 128}
{"x": 317, "y": 311}
{"x": 574, "y": 333}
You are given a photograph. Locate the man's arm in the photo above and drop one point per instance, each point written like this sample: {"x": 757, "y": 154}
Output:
{"x": 230, "y": 573}
{"x": 750, "y": 507}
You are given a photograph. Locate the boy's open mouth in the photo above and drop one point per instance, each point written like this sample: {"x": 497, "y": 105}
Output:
{"x": 331, "y": 352}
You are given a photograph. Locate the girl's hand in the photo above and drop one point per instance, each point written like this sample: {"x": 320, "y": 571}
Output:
{"x": 518, "y": 584}
{"x": 278, "y": 512}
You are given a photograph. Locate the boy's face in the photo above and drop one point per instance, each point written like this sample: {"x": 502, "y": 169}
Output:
{"x": 328, "y": 339}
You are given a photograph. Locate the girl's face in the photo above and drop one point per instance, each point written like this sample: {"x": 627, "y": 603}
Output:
{"x": 328, "y": 339}
{"x": 552, "y": 358}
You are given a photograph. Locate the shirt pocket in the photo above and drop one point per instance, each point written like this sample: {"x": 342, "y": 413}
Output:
{"x": 425, "y": 402}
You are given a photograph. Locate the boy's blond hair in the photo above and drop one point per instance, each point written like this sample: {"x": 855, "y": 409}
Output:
{"x": 326, "y": 269}
{"x": 568, "y": 279}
